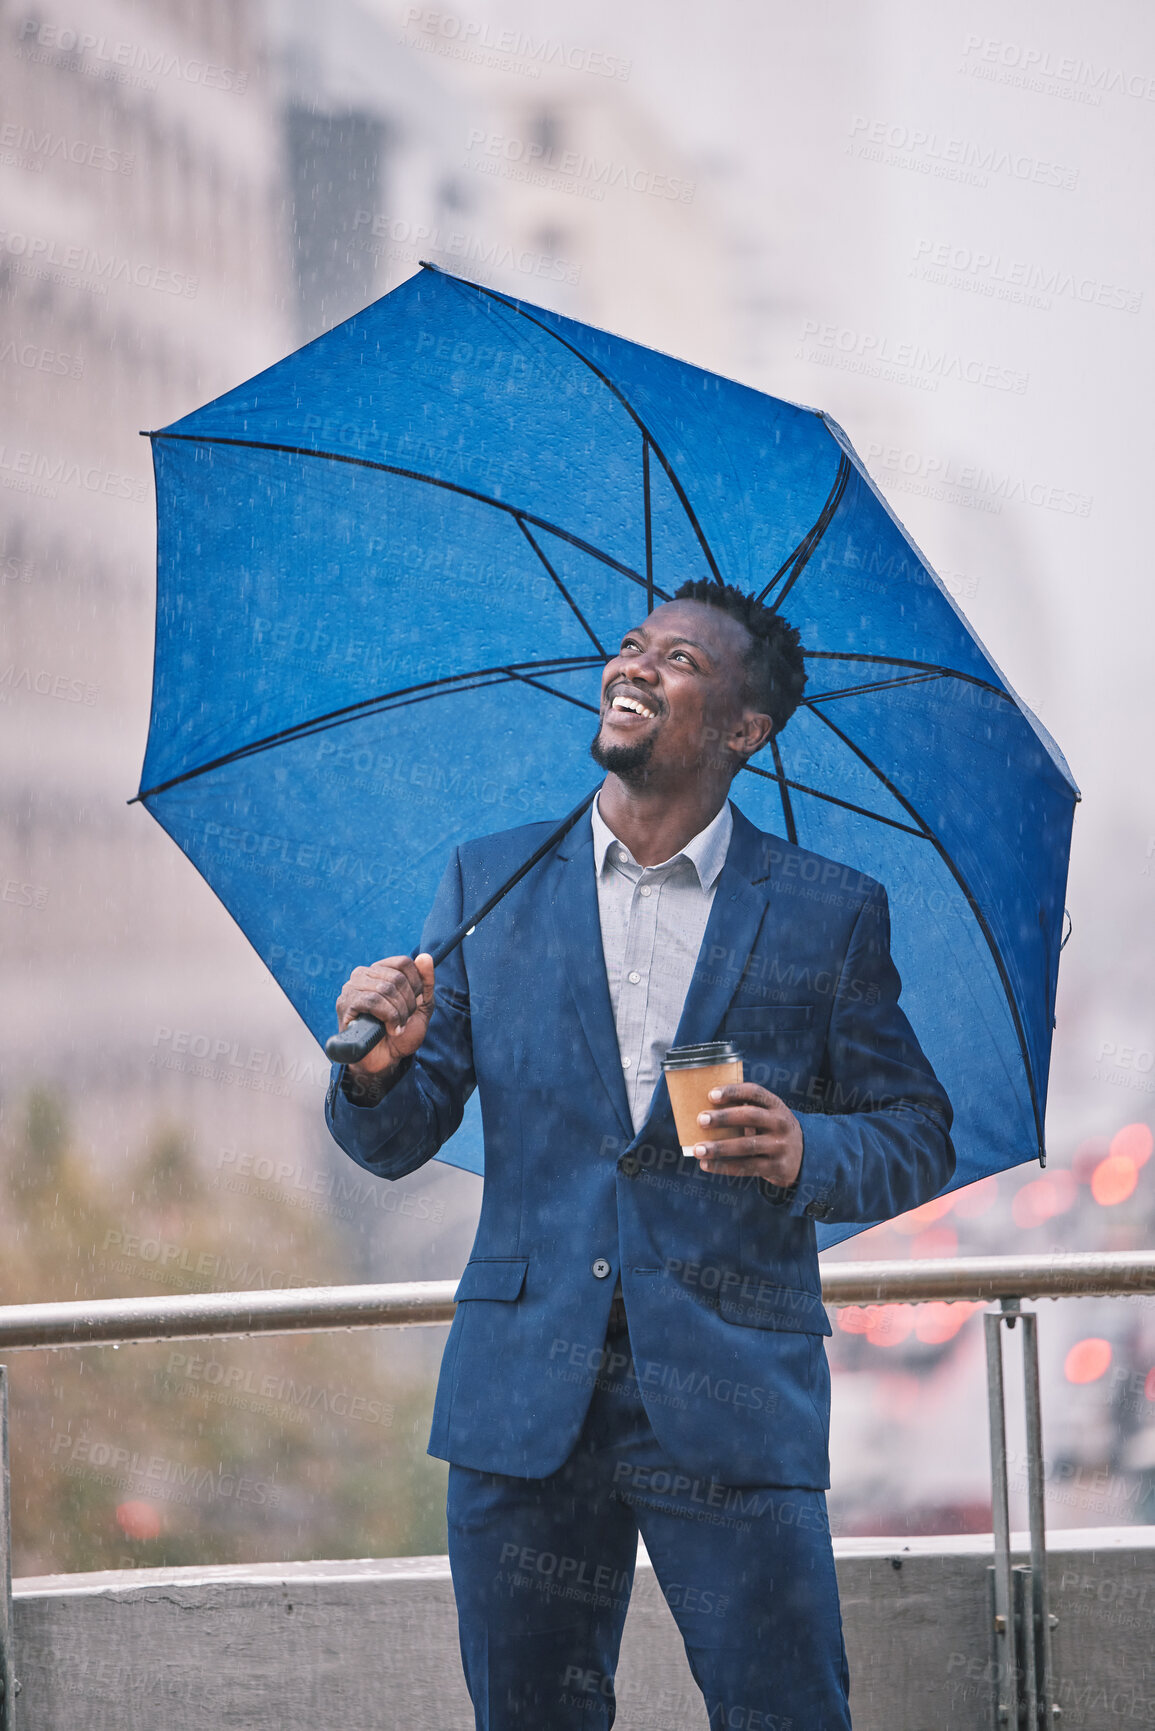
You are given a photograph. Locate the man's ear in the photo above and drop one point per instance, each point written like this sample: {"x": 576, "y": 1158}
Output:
{"x": 751, "y": 733}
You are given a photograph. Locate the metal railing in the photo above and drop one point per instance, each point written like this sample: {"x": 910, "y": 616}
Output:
{"x": 1020, "y": 1618}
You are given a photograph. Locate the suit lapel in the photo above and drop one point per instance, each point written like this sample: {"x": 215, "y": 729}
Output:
{"x": 578, "y": 932}
{"x": 735, "y": 917}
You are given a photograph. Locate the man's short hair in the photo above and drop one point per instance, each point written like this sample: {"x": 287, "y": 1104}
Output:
{"x": 775, "y": 669}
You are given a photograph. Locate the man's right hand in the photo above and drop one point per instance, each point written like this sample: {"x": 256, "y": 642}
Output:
{"x": 398, "y": 992}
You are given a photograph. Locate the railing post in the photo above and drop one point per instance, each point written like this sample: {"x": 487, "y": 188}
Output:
{"x": 1023, "y": 1691}
{"x": 1039, "y": 1608}
{"x": 1004, "y": 1643}
{"x": 8, "y": 1683}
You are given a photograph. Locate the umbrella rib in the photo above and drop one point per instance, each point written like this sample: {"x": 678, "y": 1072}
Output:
{"x": 876, "y": 685}
{"x": 784, "y": 792}
{"x": 564, "y": 695}
{"x": 516, "y": 307}
{"x": 976, "y": 910}
{"x": 801, "y": 554}
{"x": 649, "y": 524}
{"x": 413, "y": 475}
{"x": 832, "y": 799}
{"x": 902, "y": 661}
{"x": 481, "y": 678}
{"x": 579, "y": 615}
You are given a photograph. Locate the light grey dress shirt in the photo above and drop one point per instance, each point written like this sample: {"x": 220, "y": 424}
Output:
{"x": 653, "y": 919}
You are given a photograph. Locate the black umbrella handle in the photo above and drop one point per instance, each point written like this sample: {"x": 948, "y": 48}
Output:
{"x": 359, "y": 1038}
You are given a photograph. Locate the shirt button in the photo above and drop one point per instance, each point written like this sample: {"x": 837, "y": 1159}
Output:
{"x": 600, "y": 1268}
{"x": 623, "y": 856}
{"x": 629, "y": 1165}
{"x": 634, "y": 979}
{"x": 645, "y": 890}
{"x": 626, "y": 1062}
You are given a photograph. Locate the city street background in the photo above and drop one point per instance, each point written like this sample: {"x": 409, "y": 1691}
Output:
{"x": 927, "y": 221}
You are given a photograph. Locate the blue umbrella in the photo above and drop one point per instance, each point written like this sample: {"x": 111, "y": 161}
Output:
{"x": 391, "y": 567}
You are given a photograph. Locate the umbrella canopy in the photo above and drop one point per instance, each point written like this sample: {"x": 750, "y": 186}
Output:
{"x": 390, "y": 570}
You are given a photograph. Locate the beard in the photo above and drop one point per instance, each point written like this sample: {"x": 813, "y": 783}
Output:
{"x": 627, "y": 762}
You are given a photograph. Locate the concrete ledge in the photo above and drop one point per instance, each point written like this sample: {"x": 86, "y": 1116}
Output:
{"x": 368, "y": 1645}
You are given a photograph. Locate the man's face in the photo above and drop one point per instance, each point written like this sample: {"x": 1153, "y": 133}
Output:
{"x": 673, "y": 695}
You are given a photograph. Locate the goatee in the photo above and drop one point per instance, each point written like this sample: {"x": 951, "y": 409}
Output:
{"x": 627, "y": 762}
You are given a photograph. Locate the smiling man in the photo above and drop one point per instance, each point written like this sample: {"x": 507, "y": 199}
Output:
{"x": 638, "y": 1345}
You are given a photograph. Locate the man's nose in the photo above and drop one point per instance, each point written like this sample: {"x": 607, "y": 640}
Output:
{"x": 640, "y": 664}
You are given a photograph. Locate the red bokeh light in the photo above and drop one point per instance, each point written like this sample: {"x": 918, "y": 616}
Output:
{"x": 935, "y": 1241}
{"x": 890, "y": 1324}
{"x": 1113, "y": 1180}
{"x": 976, "y": 1198}
{"x": 1063, "y": 1187}
{"x": 1133, "y": 1142}
{"x": 920, "y": 1218}
{"x": 939, "y": 1322}
{"x": 1149, "y": 1385}
{"x": 853, "y": 1319}
{"x": 138, "y": 1520}
{"x": 1032, "y": 1204}
{"x": 1088, "y": 1360}
{"x": 1044, "y": 1197}
{"x": 1087, "y": 1156}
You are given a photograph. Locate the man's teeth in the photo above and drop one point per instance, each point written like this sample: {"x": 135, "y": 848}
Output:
{"x": 631, "y": 704}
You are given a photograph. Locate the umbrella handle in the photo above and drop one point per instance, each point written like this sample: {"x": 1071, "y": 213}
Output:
{"x": 354, "y": 1042}
{"x": 359, "y": 1038}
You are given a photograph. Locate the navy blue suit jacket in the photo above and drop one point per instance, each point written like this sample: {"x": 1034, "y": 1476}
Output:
{"x": 720, "y": 1275}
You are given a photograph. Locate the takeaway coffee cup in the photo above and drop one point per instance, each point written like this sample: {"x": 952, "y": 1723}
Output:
{"x": 690, "y": 1072}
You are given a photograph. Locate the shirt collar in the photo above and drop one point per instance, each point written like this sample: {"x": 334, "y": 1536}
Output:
{"x": 706, "y": 851}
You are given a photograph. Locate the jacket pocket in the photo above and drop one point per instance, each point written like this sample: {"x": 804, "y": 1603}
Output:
{"x": 767, "y": 1020}
{"x": 786, "y": 1308}
{"x": 499, "y": 1278}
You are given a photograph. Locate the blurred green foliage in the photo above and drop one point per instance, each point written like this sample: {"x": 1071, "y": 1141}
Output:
{"x": 217, "y": 1451}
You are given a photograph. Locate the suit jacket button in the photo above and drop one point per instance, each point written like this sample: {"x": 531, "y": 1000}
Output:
{"x": 600, "y": 1268}
{"x": 629, "y": 1165}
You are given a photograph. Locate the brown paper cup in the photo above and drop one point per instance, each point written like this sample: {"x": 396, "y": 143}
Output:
{"x": 690, "y": 1072}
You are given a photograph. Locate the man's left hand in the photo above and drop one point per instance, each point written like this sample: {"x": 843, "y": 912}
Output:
{"x": 771, "y": 1145}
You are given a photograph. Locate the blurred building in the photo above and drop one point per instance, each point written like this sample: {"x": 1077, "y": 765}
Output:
{"x": 186, "y": 193}
{"x": 142, "y": 271}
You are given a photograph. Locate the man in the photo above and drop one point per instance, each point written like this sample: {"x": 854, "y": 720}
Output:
{"x": 638, "y": 1344}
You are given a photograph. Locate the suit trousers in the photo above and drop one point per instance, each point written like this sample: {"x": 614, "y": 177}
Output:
{"x": 542, "y": 1572}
